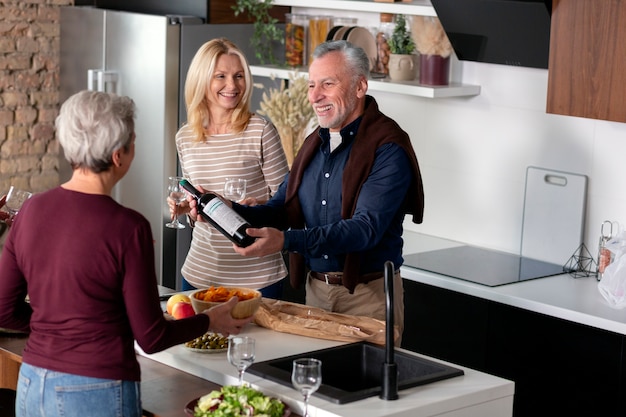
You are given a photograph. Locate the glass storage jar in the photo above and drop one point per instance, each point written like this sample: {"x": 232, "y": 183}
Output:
{"x": 318, "y": 29}
{"x": 296, "y": 28}
{"x": 385, "y": 29}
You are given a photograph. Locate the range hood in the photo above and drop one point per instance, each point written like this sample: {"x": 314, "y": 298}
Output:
{"x": 508, "y": 32}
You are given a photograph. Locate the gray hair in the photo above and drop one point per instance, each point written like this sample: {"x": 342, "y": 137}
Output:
{"x": 92, "y": 125}
{"x": 356, "y": 58}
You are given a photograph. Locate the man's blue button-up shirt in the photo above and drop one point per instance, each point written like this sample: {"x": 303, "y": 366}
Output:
{"x": 375, "y": 229}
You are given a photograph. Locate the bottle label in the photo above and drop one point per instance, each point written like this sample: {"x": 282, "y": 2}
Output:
{"x": 223, "y": 215}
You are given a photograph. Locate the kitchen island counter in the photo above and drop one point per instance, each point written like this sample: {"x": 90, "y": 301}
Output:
{"x": 164, "y": 390}
{"x": 473, "y": 394}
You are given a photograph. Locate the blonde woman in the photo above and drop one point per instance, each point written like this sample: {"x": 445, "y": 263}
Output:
{"x": 223, "y": 139}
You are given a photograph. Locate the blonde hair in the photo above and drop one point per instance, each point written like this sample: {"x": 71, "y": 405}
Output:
{"x": 199, "y": 76}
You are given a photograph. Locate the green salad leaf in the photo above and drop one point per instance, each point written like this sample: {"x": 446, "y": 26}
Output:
{"x": 233, "y": 401}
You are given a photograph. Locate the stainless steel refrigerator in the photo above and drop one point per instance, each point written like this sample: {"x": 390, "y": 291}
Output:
{"x": 146, "y": 57}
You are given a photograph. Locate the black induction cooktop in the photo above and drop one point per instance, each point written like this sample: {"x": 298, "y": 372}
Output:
{"x": 482, "y": 266}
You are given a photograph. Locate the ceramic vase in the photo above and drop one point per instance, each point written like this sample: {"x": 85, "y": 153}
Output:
{"x": 402, "y": 67}
{"x": 434, "y": 70}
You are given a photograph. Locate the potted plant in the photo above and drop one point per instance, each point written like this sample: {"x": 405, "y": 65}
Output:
{"x": 401, "y": 48}
{"x": 266, "y": 31}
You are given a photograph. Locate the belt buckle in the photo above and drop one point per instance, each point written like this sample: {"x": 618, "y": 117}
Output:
{"x": 329, "y": 277}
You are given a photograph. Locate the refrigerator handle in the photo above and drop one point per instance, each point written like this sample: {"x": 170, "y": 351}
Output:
{"x": 102, "y": 80}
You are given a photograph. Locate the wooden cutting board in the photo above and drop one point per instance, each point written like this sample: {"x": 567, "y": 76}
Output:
{"x": 554, "y": 214}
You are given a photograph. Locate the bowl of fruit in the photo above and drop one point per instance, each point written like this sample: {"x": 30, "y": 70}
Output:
{"x": 248, "y": 304}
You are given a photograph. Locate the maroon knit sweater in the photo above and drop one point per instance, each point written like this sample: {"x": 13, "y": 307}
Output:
{"x": 87, "y": 264}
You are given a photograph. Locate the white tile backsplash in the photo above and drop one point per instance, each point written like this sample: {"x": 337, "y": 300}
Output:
{"x": 474, "y": 152}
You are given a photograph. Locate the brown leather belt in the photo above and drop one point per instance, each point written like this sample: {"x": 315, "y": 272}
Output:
{"x": 334, "y": 278}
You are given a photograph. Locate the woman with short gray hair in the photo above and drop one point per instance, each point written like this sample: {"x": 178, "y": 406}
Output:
{"x": 87, "y": 265}
{"x": 91, "y": 126}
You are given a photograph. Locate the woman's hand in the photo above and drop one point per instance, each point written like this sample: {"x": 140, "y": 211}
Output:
{"x": 221, "y": 320}
{"x": 175, "y": 210}
{"x": 4, "y": 216}
{"x": 251, "y": 201}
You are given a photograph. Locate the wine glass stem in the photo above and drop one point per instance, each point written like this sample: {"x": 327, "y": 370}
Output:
{"x": 241, "y": 378}
{"x": 306, "y": 405}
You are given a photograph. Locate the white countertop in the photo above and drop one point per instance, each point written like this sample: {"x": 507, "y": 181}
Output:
{"x": 562, "y": 296}
{"x": 473, "y": 394}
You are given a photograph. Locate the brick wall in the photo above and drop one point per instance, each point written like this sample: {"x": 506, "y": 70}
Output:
{"x": 29, "y": 93}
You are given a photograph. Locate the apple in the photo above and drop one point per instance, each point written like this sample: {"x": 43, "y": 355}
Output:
{"x": 182, "y": 309}
{"x": 173, "y": 300}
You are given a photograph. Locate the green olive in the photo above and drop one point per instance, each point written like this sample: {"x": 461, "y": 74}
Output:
{"x": 209, "y": 341}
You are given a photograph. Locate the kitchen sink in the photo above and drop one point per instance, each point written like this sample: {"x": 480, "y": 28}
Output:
{"x": 353, "y": 372}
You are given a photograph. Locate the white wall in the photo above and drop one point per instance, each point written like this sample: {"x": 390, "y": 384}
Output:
{"x": 473, "y": 153}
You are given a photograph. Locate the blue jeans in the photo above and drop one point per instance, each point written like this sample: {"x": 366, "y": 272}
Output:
{"x": 274, "y": 291}
{"x": 45, "y": 393}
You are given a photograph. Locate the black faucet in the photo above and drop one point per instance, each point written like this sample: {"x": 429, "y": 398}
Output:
{"x": 389, "y": 388}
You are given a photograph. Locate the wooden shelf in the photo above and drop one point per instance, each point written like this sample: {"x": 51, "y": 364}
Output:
{"x": 409, "y": 88}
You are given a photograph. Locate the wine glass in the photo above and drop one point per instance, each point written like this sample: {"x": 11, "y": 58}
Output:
{"x": 306, "y": 377}
{"x": 176, "y": 193}
{"x": 241, "y": 354}
{"x": 15, "y": 199}
{"x": 235, "y": 188}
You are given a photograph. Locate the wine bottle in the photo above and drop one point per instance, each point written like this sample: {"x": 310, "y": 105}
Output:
{"x": 220, "y": 216}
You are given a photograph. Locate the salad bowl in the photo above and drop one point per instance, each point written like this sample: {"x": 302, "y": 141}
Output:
{"x": 226, "y": 403}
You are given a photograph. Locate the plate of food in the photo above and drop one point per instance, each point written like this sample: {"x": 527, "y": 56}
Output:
{"x": 236, "y": 401}
{"x": 208, "y": 343}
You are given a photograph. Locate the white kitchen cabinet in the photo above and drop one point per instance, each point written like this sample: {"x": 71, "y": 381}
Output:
{"x": 369, "y": 10}
{"x": 586, "y": 72}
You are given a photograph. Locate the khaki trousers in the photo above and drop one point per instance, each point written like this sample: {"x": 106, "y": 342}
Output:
{"x": 367, "y": 300}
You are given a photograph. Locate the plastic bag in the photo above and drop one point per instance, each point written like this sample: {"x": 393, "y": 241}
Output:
{"x": 613, "y": 283}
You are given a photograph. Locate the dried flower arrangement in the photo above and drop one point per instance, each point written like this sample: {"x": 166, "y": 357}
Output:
{"x": 430, "y": 37}
{"x": 289, "y": 109}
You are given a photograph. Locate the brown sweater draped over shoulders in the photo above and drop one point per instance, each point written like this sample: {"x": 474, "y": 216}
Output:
{"x": 375, "y": 130}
